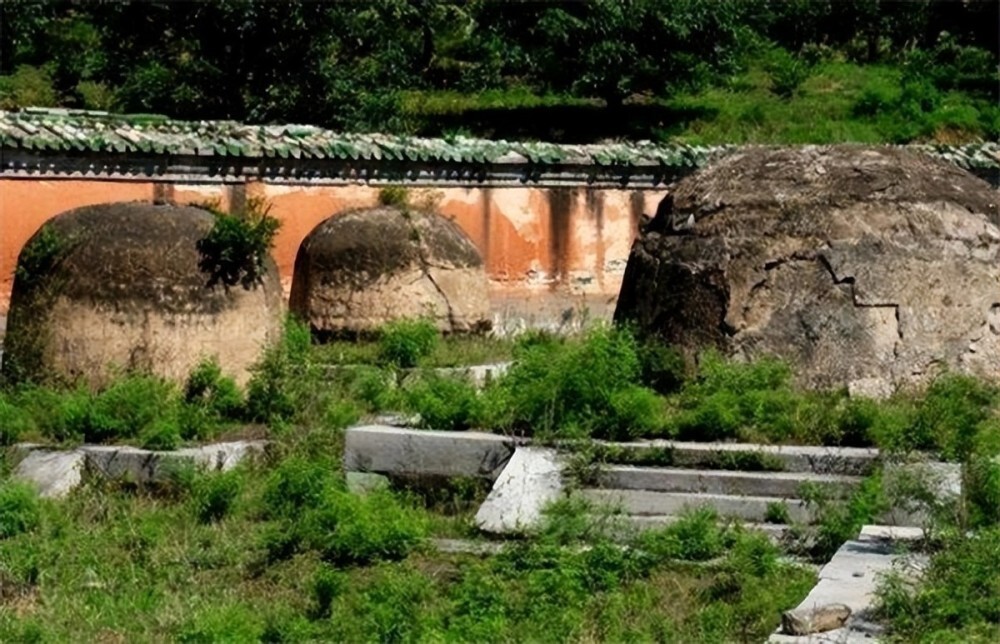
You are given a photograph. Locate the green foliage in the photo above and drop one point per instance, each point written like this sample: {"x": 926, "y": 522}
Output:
{"x": 278, "y": 379}
{"x": 955, "y": 598}
{"x": 28, "y": 86}
{"x": 20, "y": 510}
{"x": 662, "y": 367}
{"x": 787, "y": 72}
{"x": 695, "y": 536}
{"x": 575, "y": 387}
{"x": 444, "y": 402}
{"x": 218, "y": 395}
{"x": 213, "y": 495}
{"x": 404, "y": 343}
{"x": 839, "y": 521}
{"x": 397, "y": 196}
{"x": 235, "y": 250}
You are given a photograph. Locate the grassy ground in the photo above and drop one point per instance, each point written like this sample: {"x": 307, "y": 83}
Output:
{"x": 279, "y": 552}
{"x": 773, "y": 101}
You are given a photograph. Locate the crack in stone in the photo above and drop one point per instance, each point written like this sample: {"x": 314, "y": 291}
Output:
{"x": 425, "y": 266}
{"x": 847, "y": 281}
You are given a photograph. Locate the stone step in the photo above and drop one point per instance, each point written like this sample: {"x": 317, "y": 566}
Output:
{"x": 852, "y": 461}
{"x": 673, "y": 479}
{"x": 776, "y": 532}
{"x": 751, "y": 509}
{"x": 754, "y": 509}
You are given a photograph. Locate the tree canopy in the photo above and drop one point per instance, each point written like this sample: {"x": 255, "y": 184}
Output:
{"x": 353, "y": 65}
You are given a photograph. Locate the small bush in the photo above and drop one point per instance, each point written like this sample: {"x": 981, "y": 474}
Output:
{"x": 213, "y": 495}
{"x": 570, "y": 388}
{"x": 295, "y": 485}
{"x": 444, "y": 403}
{"x": 284, "y": 378}
{"x": 956, "y": 595}
{"x": 404, "y": 343}
{"x": 348, "y": 529}
{"x": 15, "y": 420}
{"x": 397, "y": 196}
{"x": 838, "y": 521}
{"x": 695, "y": 536}
{"x": 235, "y": 250}
{"x": 20, "y": 509}
{"x": 218, "y": 394}
{"x": 327, "y": 584}
{"x": 662, "y": 367}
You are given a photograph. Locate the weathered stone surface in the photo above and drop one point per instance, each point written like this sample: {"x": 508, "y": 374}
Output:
{"x": 398, "y": 451}
{"x": 531, "y": 480}
{"x": 147, "y": 466}
{"x": 360, "y": 269}
{"x": 850, "y": 579}
{"x": 707, "y": 481}
{"x": 864, "y": 267}
{"x": 815, "y": 620}
{"x": 364, "y": 482}
{"x": 119, "y": 285}
{"x": 57, "y": 472}
{"x": 744, "y": 508}
{"x": 54, "y": 473}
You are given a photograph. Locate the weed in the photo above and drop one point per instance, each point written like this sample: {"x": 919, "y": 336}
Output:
{"x": 20, "y": 509}
{"x": 956, "y": 598}
{"x": 235, "y": 251}
{"x": 397, "y": 196}
{"x": 326, "y": 586}
{"x": 695, "y": 536}
{"x": 213, "y": 495}
{"x": 218, "y": 394}
{"x": 777, "y": 512}
{"x": 443, "y": 402}
{"x": 404, "y": 343}
{"x": 574, "y": 388}
{"x": 840, "y": 521}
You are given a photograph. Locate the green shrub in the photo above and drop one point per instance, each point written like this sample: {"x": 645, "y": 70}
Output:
{"x": 161, "y": 434}
{"x": 206, "y": 387}
{"x": 213, "y": 495}
{"x": 695, "y": 536}
{"x": 444, "y": 403}
{"x": 327, "y": 584}
{"x": 837, "y": 521}
{"x": 662, "y": 367}
{"x": 295, "y": 485}
{"x": 15, "y": 420}
{"x": 404, "y": 343}
{"x": 575, "y": 387}
{"x": 349, "y": 529}
{"x": 235, "y": 250}
{"x": 394, "y": 196}
{"x": 131, "y": 406}
{"x": 20, "y": 509}
{"x": 284, "y": 377}
{"x": 949, "y": 415}
{"x": 787, "y": 72}
{"x": 955, "y": 596}
{"x": 372, "y": 386}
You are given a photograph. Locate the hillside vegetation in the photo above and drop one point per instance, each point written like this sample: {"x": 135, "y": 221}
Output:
{"x": 700, "y": 71}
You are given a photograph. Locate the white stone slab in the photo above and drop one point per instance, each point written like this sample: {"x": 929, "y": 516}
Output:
{"x": 53, "y": 473}
{"x": 531, "y": 480}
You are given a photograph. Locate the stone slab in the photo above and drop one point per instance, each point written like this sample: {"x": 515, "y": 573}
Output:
{"x": 743, "y": 508}
{"x": 853, "y": 461}
{"x": 851, "y": 578}
{"x": 54, "y": 473}
{"x": 531, "y": 480}
{"x": 57, "y": 472}
{"x": 364, "y": 482}
{"x": 779, "y": 484}
{"x": 406, "y": 452}
{"x": 148, "y": 466}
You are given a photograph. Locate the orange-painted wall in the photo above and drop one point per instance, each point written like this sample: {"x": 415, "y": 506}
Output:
{"x": 538, "y": 243}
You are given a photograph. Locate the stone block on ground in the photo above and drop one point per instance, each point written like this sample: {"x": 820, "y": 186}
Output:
{"x": 397, "y": 451}
{"x": 364, "y": 482}
{"x": 147, "y": 466}
{"x": 531, "y": 480}
{"x": 851, "y": 578}
{"x": 54, "y": 473}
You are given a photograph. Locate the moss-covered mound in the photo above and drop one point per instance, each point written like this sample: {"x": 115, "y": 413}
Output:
{"x": 360, "y": 269}
{"x": 118, "y": 286}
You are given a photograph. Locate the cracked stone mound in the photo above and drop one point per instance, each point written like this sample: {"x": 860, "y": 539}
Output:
{"x": 363, "y": 268}
{"x": 867, "y": 267}
{"x": 117, "y": 286}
